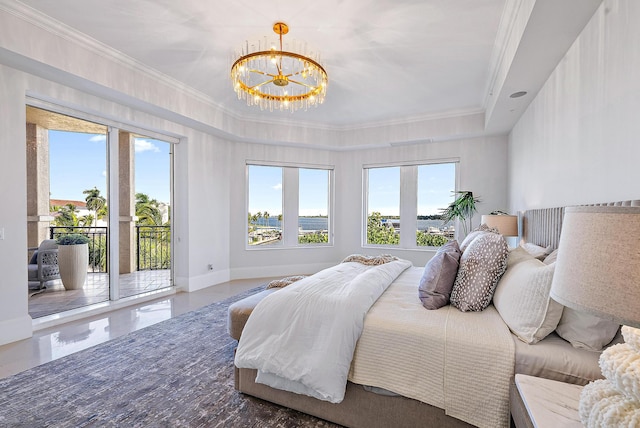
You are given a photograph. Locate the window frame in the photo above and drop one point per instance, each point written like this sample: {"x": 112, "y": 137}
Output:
{"x": 290, "y": 204}
{"x": 408, "y": 201}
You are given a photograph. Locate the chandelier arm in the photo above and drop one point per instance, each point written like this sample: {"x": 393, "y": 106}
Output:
{"x": 264, "y": 73}
{"x": 302, "y": 84}
{"x": 260, "y": 84}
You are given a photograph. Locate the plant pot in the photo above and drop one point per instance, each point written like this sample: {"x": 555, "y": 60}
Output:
{"x": 73, "y": 261}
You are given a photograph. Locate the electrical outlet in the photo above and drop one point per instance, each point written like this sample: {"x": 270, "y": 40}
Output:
{"x": 1, "y": 233}
{"x": 210, "y": 266}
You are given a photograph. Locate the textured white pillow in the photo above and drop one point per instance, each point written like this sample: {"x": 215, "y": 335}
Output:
{"x": 586, "y": 331}
{"x": 536, "y": 250}
{"x": 522, "y": 300}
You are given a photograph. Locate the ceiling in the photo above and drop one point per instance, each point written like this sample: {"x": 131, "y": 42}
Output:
{"x": 386, "y": 59}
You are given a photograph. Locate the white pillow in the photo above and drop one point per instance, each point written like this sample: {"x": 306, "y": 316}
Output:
{"x": 536, "y": 250}
{"x": 522, "y": 300}
{"x": 586, "y": 331}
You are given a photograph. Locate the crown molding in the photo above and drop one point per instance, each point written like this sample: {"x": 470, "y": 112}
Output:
{"x": 57, "y": 28}
{"x": 508, "y": 20}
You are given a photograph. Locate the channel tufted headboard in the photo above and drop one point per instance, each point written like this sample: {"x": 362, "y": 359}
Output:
{"x": 542, "y": 226}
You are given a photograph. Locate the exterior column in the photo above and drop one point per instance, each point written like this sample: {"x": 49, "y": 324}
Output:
{"x": 38, "y": 213}
{"x": 127, "y": 198}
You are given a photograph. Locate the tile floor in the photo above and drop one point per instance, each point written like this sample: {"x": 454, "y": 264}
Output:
{"x": 55, "y": 298}
{"x": 64, "y": 339}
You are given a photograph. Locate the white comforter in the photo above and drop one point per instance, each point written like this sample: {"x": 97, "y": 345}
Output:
{"x": 313, "y": 326}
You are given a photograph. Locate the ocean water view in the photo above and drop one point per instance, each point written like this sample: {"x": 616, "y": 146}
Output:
{"x": 321, "y": 223}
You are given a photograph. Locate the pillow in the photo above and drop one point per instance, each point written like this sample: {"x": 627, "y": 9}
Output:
{"x": 481, "y": 266}
{"x": 551, "y": 258}
{"x": 586, "y": 331}
{"x": 483, "y": 228}
{"x": 279, "y": 283}
{"x": 536, "y": 250}
{"x": 517, "y": 255}
{"x": 438, "y": 276}
{"x": 522, "y": 300}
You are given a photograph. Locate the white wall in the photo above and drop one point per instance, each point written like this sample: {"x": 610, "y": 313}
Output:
{"x": 579, "y": 140}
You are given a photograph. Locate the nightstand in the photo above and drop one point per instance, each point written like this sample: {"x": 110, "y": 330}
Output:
{"x": 549, "y": 403}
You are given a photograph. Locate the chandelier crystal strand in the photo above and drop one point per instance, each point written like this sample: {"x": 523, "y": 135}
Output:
{"x": 279, "y": 76}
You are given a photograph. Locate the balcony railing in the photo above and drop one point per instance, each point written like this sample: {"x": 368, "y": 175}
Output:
{"x": 153, "y": 245}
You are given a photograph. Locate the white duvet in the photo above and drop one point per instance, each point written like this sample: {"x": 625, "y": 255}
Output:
{"x": 307, "y": 351}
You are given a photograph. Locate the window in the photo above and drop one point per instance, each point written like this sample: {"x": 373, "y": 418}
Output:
{"x": 383, "y": 207}
{"x": 265, "y": 205}
{"x": 313, "y": 206}
{"x": 403, "y": 204}
{"x": 436, "y": 183}
{"x": 288, "y": 206}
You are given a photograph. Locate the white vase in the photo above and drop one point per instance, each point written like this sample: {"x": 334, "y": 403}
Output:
{"x": 73, "y": 261}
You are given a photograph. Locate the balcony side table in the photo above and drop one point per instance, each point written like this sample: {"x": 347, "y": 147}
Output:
{"x": 549, "y": 403}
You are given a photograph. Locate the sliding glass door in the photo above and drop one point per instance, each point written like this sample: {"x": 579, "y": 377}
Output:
{"x": 108, "y": 185}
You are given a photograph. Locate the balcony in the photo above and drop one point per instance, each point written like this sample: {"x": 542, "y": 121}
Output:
{"x": 153, "y": 264}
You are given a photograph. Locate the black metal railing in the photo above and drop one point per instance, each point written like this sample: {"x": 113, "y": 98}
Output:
{"x": 153, "y": 245}
{"x": 97, "y": 243}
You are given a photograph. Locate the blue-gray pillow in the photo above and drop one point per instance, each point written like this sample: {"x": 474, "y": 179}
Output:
{"x": 438, "y": 276}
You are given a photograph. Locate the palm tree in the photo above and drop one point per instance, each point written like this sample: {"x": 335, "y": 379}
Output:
{"x": 266, "y": 218}
{"x": 148, "y": 210}
{"x": 95, "y": 202}
{"x": 462, "y": 208}
{"x": 66, "y": 216}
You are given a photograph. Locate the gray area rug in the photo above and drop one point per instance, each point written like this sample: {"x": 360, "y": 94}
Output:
{"x": 177, "y": 373}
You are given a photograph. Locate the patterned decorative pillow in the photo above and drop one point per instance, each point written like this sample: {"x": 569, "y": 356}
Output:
{"x": 483, "y": 228}
{"x": 438, "y": 276}
{"x": 279, "y": 283}
{"x": 481, "y": 266}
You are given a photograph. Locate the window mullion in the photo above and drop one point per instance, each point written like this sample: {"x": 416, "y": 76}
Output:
{"x": 290, "y": 206}
{"x": 408, "y": 206}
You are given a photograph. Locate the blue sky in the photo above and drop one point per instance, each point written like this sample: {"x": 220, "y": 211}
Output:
{"x": 435, "y": 184}
{"x": 265, "y": 183}
{"x": 78, "y": 161}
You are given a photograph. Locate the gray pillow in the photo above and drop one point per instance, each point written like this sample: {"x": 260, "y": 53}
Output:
{"x": 438, "y": 276}
{"x": 481, "y": 266}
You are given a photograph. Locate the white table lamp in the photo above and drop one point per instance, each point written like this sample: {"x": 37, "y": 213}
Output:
{"x": 506, "y": 224}
{"x": 598, "y": 272}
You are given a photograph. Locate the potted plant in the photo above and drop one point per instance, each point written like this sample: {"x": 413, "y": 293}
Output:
{"x": 462, "y": 208}
{"x": 73, "y": 259}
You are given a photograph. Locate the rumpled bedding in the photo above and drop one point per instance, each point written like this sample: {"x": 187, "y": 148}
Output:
{"x": 302, "y": 338}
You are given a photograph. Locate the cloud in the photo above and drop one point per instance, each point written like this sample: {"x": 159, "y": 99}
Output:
{"x": 145, "y": 146}
{"x": 98, "y": 138}
{"x": 277, "y": 186}
{"x": 104, "y": 173}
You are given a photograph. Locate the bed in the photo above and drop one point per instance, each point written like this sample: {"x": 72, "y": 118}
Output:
{"x": 374, "y": 405}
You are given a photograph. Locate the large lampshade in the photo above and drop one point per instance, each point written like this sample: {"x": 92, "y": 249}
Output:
{"x": 507, "y": 225}
{"x": 598, "y": 265}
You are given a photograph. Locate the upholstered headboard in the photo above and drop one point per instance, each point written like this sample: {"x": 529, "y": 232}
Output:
{"x": 542, "y": 226}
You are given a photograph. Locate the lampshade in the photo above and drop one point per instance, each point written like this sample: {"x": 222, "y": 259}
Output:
{"x": 507, "y": 225}
{"x": 598, "y": 265}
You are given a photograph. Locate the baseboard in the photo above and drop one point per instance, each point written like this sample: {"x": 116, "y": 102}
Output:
{"x": 195, "y": 283}
{"x": 278, "y": 270}
{"x": 15, "y": 329}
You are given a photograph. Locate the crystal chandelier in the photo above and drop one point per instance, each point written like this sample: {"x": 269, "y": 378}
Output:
{"x": 278, "y": 79}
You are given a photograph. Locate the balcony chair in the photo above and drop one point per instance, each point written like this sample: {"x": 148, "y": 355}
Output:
{"x": 43, "y": 265}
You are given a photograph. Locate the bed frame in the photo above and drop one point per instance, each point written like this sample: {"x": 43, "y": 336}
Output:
{"x": 361, "y": 408}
